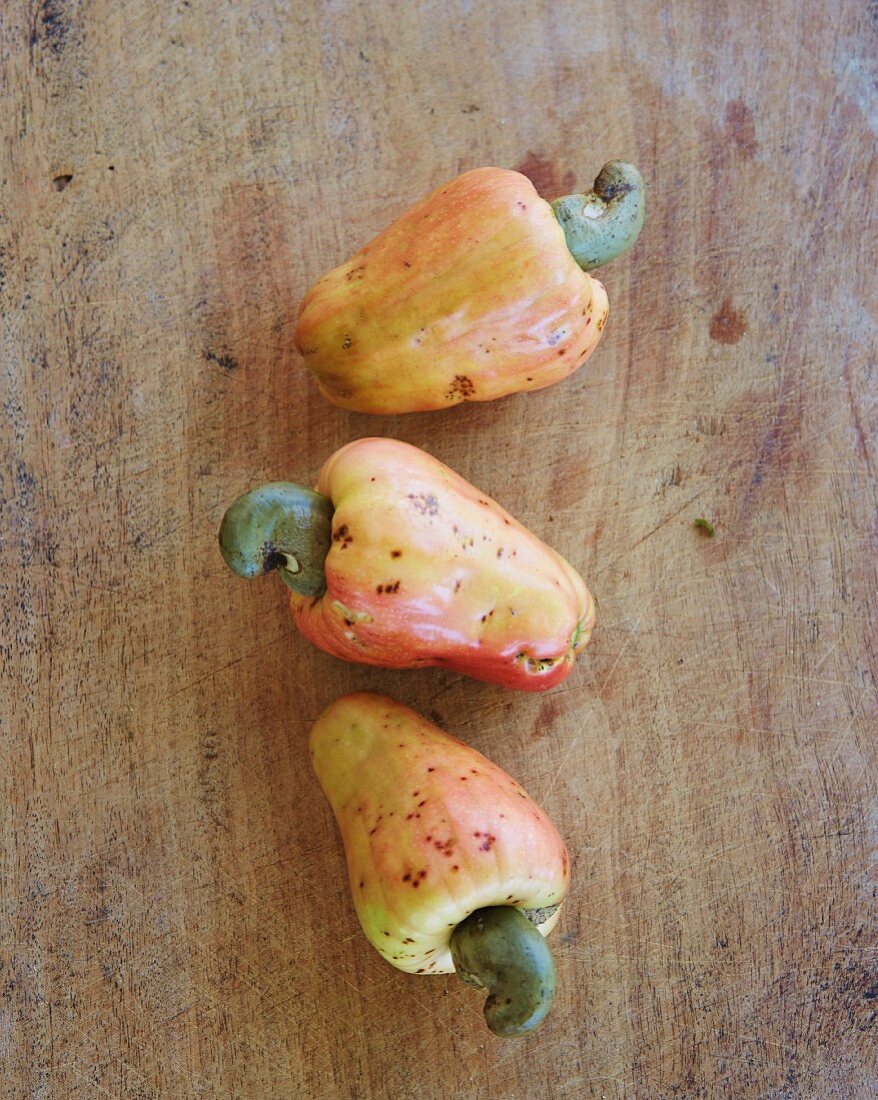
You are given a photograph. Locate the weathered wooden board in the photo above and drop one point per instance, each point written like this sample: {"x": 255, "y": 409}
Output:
{"x": 174, "y": 918}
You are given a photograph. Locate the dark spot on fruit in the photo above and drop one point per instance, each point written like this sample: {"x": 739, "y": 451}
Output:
{"x": 425, "y": 503}
{"x": 461, "y": 388}
{"x": 396, "y": 553}
{"x": 454, "y": 867}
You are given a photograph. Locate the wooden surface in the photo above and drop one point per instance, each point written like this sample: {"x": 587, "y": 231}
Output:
{"x": 174, "y": 918}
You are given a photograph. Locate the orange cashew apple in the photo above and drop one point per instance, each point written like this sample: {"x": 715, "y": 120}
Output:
{"x": 478, "y": 291}
{"x": 397, "y": 561}
{"x": 452, "y": 866}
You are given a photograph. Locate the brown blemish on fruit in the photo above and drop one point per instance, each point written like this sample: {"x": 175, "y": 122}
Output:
{"x": 346, "y": 343}
{"x": 727, "y": 325}
{"x": 461, "y": 388}
{"x": 396, "y": 553}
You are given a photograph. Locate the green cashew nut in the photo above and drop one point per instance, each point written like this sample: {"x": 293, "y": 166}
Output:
{"x": 500, "y": 950}
{"x": 279, "y": 526}
{"x": 606, "y": 222}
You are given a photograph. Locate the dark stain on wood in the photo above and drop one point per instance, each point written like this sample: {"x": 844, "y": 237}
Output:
{"x": 740, "y": 128}
{"x": 546, "y": 176}
{"x": 727, "y": 326}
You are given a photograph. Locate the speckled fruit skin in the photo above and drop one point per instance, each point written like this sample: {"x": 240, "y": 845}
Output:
{"x": 426, "y": 570}
{"x": 470, "y": 295}
{"x": 432, "y": 830}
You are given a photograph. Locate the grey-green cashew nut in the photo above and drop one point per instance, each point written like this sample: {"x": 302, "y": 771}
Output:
{"x": 500, "y": 950}
{"x": 605, "y": 222}
{"x": 279, "y": 526}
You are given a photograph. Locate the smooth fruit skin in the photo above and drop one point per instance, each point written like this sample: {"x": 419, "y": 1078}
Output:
{"x": 424, "y": 569}
{"x": 470, "y": 295}
{"x": 432, "y": 830}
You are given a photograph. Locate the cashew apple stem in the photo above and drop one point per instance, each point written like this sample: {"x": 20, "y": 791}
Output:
{"x": 279, "y": 526}
{"x": 606, "y": 221}
{"x": 500, "y": 950}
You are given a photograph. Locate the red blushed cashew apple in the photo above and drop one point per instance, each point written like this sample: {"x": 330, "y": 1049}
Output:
{"x": 397, "y": 561}
{"x": 478, "y": 291}
{"x": 452, "y": 866}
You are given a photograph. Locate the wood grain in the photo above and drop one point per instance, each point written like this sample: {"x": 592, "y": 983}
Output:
{"x": 174, "y": 920}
